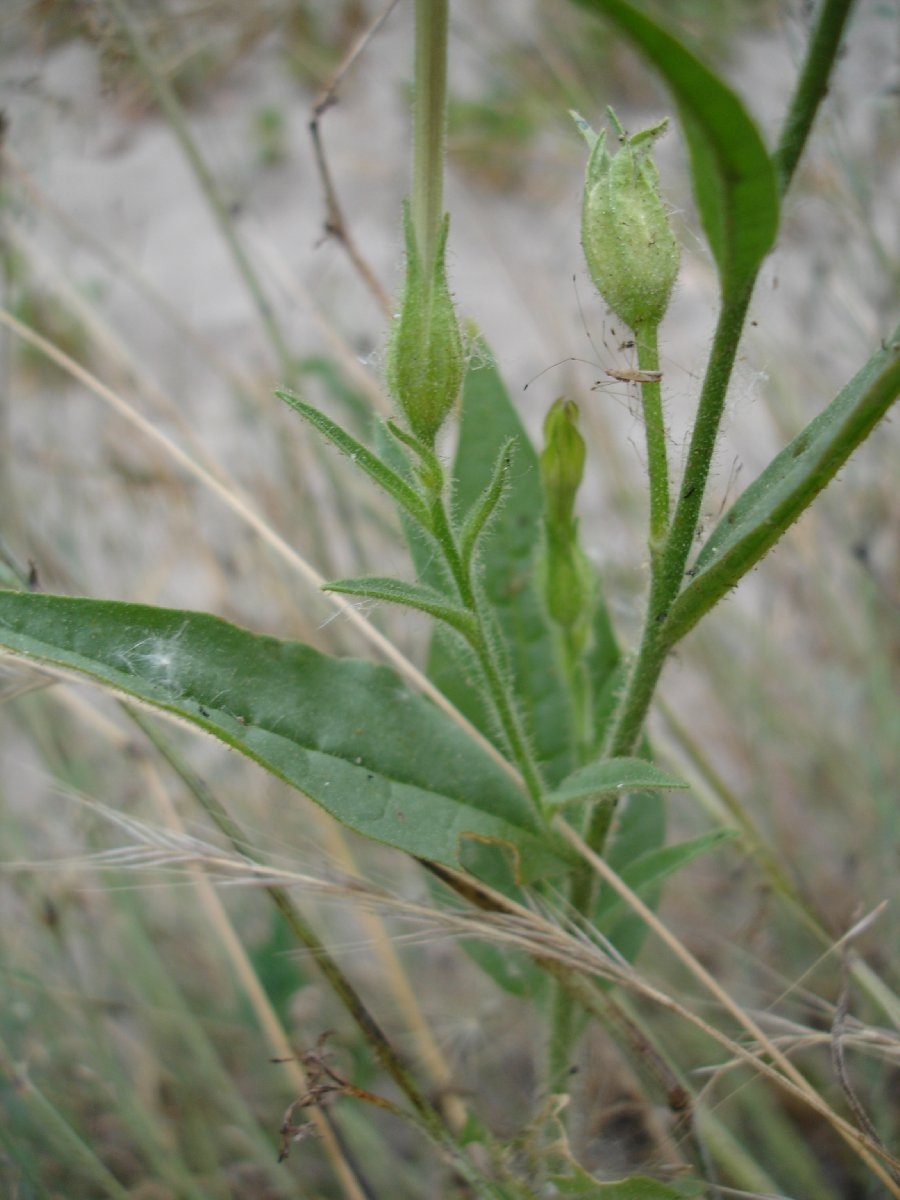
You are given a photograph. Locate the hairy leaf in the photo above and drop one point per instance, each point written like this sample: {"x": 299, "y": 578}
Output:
{"x": 488, "y": 503}
{"x": 786, "y": 488}
{"x": 381, "y": 759}
{"x": 610, "y": 777}
{"x": 380, "y": 472}
{"x": 412, "y": 595}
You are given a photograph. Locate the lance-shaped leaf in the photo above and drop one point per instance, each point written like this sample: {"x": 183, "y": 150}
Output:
{"x": 487, "y": 504}
{"x": 412, "y": 595}
{"x": 733, "y": 176}
{"x": 646, "y": 873}
{"x": 405, "y": 495}
{"x": 381, "y": 759}
{"x": 611, "y": 777}
{"x": 786, "y": 488}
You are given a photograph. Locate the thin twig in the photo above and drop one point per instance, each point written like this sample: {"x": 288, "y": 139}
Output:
{"x": 335, "y": 222}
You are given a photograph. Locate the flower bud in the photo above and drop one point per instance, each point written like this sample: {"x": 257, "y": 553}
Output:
{"x": 630, "y": 249}
{"x": 425, "y": 360}
{"x": 565, "y": 573}
{"x": 562, "y": 467}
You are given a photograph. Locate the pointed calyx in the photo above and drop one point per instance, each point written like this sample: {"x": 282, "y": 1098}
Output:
{"x": 629, "y": 246}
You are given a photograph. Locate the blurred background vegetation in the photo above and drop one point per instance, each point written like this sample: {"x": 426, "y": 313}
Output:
{"x": 134, "y": 1045}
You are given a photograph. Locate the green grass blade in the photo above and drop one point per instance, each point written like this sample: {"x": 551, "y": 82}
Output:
{"x": 786, "y": 488}
{"x": 733, "y": 176}
{"x": 350, "y": 735}
{"x": 578, "y": 1184}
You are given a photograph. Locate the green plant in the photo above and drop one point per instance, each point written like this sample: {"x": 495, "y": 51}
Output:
{"x": 505, "y": 777}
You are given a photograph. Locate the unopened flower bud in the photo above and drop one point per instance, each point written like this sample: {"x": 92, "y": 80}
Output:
{"x": 425, "y": 360}
{"x": 630, "y": 249}
{"x": 566, "y": 577}
{"x": 562, "y": 466}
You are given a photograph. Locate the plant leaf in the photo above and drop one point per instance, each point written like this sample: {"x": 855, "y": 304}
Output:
{"x": 645, "y": 874}
{"x": 486, "y": 506}
{"x": 611, "y": 776}
{"x": 734, "y": 180}
{"x": 412, "y": 595}
{"x": 405, "y": 495}
{"x": 786, "y": 488}
{"x": 349, "y": 734}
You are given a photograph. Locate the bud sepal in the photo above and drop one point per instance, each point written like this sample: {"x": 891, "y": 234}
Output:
{"x": 425, "y": 361}
{"x": 629, "y": 246}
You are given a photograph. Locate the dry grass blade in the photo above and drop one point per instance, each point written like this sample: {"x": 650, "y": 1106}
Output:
{"x": 787, "y": 1074}
{"x": 506, "y": 924}
{"x": 274, "y": 1032}
{"x": 838, "y": 1035}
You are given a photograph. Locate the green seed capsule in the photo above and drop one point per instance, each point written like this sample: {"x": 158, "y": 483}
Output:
{"x": 425, "y": 359}
{"x": 630, "y": 249}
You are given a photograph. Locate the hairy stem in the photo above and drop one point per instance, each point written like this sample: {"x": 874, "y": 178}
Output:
{"x": 655, "y": 430}
{"x": 667, "y": 571}
{"x": 486, "y": 647}
{"x": 812, "y": 87}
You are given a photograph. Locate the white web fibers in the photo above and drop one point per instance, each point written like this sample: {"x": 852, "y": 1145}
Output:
{"x": 157, "y": 658}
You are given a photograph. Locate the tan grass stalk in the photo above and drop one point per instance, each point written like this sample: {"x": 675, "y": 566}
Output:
{"x": 279, "y": 1043}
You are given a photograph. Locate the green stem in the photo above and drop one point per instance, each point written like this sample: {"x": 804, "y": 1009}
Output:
{"x": 486, "y": 646}
{"x": 430, "y": 124}
{"x": 812, "y": 87}
{"x": 700, "y": 455}
{"x": 579, "y": 689}
{"x": 654, "y": 426}
{"x": 667, "y": 571}
{"x": 507, "y": 713}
